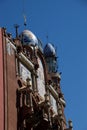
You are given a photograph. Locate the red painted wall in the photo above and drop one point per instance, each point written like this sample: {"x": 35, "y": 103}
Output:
{"x": 1, "y": 85}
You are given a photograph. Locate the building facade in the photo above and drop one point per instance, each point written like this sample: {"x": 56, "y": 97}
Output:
{"x": 30, "y": 92}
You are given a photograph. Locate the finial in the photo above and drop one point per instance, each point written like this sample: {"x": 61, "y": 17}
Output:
{"x": 25, "y": 20}
{"x": 47, "y": 38}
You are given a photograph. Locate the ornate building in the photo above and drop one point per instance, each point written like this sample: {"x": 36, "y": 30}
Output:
{"x": 30, "y": 93}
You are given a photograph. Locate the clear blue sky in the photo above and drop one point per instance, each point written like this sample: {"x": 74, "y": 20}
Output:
{"x": 65, "y": 22}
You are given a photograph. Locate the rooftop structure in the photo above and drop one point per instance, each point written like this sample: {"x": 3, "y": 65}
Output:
{"x": 30, "y": 93}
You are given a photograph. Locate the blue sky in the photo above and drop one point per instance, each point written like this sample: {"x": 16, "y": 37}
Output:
{"x": 65, "y": 23}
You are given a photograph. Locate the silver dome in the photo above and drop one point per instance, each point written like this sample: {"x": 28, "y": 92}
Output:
{"x": 28, "y": 38}
{"x": 49, "y": 50}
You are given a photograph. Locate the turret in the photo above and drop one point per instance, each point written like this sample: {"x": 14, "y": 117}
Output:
{"x": 51, "y": 59}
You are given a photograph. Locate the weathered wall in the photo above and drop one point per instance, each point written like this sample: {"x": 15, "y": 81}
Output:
{"x": 11, "y": 86}
{"x": 8, "y": 86}
{"x": 1, "y": 85}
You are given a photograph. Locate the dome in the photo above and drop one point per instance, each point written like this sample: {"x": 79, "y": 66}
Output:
{"x": 49, "y": 50}
{"x": 28, "y": 38}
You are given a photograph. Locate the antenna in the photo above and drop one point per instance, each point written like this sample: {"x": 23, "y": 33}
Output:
{"x": 16, "y": 26}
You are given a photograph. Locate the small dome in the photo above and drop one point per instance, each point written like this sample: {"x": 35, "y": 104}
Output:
{"x": 49, "y": 50}
{"x": 28, "y": 38}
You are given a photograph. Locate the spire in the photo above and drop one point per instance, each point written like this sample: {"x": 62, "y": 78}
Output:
{"x": 24, "y": 14}
{"x": 25, "y": 20}
{"x": 47, "y": 38}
